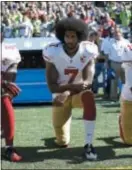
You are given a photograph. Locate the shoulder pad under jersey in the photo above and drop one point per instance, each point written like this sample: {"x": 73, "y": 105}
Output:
{"x": 90, "y": 48}
{"x": 49, "y": 51}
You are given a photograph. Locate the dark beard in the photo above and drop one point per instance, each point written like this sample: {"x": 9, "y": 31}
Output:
{"x": 70, "y": 51}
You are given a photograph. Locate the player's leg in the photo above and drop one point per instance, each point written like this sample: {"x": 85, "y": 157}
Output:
{"x": 61, "y": 122}
{"x": 86, "y": 100}
{"x": 125, "y": 122}
{"x": 8, "y": 125}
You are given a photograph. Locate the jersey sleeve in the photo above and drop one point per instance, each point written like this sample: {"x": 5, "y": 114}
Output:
{"x": 18, "y": 56}
{"x": 12, "y": 68}
{"x": 92, "y": 50}
{"x": 11, "y": 53}
{"x": 48, "y": 54}
{"x": 10, "y": 57}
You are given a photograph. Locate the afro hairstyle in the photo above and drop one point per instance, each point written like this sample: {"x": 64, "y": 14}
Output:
{"x": 71, "y": 24}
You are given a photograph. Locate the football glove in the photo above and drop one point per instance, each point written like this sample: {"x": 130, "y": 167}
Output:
{"x": 10, "y": 88}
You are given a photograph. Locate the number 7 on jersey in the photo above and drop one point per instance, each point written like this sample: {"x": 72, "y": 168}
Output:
{"x": 72, "y": 72}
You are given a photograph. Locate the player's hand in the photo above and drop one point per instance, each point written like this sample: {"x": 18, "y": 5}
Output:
{"x": 77, "y": 88}
{"x": 61, "y": 98}
{"x": 11, "y": 88}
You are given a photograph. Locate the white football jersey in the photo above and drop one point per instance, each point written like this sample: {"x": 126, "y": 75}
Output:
{"x": 10, "y": 55}
{"x": 67, "y": 67}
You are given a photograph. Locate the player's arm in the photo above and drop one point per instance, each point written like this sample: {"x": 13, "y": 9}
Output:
{"x": 8, "y": 78}
{"x": 52, "y": 77}
{"x": 10, "y": 74}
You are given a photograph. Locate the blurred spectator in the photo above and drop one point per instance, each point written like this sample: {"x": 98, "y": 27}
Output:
{"x": 25, "y": 28}
{"x": 8, "y": 30}
{"x": 103, "y": 52}
{"x": 115, "y": 50}
{"x": 111, "y": 9}
{"x": 44, "y": 27}
{"x": 125, "y": 16}
{"x": 36, "y": 26}
{"x": 106, "y": 23}
{"x": 93, "y": 23}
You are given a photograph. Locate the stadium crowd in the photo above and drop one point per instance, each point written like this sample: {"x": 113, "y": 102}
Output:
{"x": 37, "y": 19}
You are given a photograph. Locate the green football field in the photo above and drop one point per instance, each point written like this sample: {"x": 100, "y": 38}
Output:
{"x": 34, "y": 139}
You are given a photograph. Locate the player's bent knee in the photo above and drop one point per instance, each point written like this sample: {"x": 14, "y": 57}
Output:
{"x": 88, "y": 105}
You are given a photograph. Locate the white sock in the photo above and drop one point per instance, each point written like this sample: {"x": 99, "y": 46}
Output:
{"x": 89, "y": 131}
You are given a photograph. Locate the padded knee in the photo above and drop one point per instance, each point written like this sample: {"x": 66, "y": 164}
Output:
{"x": 88, "y": 105}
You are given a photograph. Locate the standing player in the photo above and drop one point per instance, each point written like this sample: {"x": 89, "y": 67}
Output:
{"x": 9, "y": 61}
{"x": 70, "y": 71}
{"x": 125, "y": 119}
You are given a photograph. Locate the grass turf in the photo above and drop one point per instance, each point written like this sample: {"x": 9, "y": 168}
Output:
{"x": 34, "y": 140}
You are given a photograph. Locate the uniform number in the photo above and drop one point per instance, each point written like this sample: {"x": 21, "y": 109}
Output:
{"x": 72, "y": 73}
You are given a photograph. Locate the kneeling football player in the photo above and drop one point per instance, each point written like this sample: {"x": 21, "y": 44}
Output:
{"x": 9, "y": 61}
{"x": 125, "y": 119}
{"x": 70, "y": 70}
